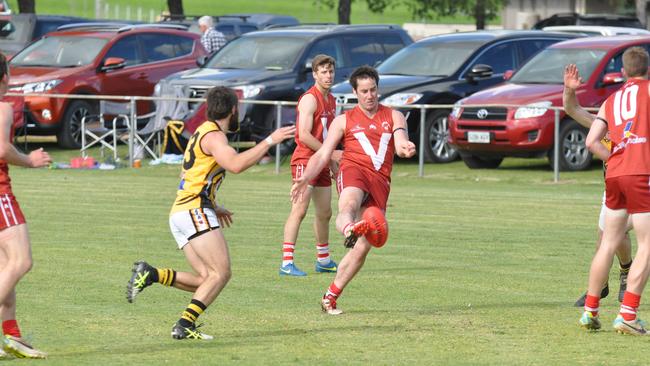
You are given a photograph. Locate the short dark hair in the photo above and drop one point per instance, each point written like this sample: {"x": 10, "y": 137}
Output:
{"x": 635, "y": 62}
{"x": 221, "y": 100}
{"x": 363, "y": 72}
{"x": 321, "y": 60}
{"x": 4, "y": 66}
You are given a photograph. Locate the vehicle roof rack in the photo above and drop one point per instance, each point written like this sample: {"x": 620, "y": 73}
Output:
{"x": 129, "y": 27}
{"x": 181, "y": 17}
{"x": 98, "y": 25}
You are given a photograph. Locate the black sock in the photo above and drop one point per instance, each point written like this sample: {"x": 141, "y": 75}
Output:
{"x": 625, "y": 268}
{"x": 191, "y": 313}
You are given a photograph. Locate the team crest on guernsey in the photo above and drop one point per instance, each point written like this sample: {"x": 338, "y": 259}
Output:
{"x": 373, "y": 127}
{"x": 357, "y": 128}
{"x": 629, "y": 138}
{"x": 385, "y": 125}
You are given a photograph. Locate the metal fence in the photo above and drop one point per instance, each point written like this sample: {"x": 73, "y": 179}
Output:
{"x": 423, "y": 108}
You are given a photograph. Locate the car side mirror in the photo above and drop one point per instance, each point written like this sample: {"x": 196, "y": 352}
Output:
{"x": 202, "y": 60}
{"x": 508, "y": 74}
{"x": 479, "y": 71}
{"x": 308, "y": 67}
{"x": 612, "y": 78}
{"x": 113, "y": 63}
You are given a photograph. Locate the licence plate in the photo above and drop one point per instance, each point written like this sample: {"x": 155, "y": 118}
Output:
{"x": 478, "y": 137}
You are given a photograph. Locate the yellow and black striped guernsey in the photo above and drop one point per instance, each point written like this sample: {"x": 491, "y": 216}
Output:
{"x": 201, "y": 175}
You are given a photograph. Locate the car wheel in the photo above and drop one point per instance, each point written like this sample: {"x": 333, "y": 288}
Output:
{"x": 437, "y": 148}
{"x": 69, "y": 136}
{"x": 477, "y": 162}
{"x": 574, "y": 154}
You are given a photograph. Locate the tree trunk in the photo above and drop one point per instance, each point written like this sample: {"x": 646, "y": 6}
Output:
{"x": 479, "y": 14}
{"x": 176, "y": 9}
{"x": 344, "y": 11}
{"x": 27, "y": 6}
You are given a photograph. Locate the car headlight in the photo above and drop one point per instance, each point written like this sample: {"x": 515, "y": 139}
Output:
{"x": 532, "y": 110}
{"x": 456, "y": 111}
{"x": 249, "y": 91}
{"x": 157, "y": 89}
{"x": 39, "y": 87}
{"x": 402, "y": 99}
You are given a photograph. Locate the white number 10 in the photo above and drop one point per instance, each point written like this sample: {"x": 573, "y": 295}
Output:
{"x": 625, "y": 104}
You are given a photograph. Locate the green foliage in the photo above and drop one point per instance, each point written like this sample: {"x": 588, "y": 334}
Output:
{"x": 431, "y": 9}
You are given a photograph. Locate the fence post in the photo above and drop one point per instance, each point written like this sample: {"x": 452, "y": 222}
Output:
{"x": 278, "y": 116}
{"x": 134, "y": 122}
{"x": 556, "y": 147}
{"x": 423, "y": 113}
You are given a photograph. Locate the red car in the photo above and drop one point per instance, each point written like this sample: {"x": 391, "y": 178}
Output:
{"x": 94, "y": 59}
{"x": 485, "y": 135}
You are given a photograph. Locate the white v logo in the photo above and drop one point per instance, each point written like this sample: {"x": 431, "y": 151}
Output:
{"x": 323, "y": 121}
{"x": 379, "y": 156}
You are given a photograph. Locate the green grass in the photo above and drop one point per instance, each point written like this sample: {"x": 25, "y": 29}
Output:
{"x": 305, "y": 10}
{"x": 481, "y": 267}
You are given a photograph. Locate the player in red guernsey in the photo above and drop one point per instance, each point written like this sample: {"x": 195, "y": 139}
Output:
{"x": 15, "y": 248}
{"x": 316, "y": 109}
{"x": 625, "y": 115}
{"x": 371, "y": 133}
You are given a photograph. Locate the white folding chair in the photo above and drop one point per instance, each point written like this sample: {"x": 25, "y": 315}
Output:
{"x": 102, "y": 131}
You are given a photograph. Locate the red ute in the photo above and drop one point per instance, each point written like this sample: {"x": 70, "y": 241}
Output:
{"x": 485, "y": 135}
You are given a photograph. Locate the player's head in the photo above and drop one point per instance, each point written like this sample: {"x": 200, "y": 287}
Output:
{"x": 222, "y": 104}
{"x": 365, "y": 81}
{"x": 4, "y": 74}
{"x": 322, "y": 67}
{"x": 635, "y": 62}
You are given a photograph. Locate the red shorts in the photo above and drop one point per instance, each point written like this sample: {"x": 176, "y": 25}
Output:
{"x": 630, "y": 192}
{"x": 10, "y": 213}
{"x": 375, "y": 185}
{"x": 324, "y": 179}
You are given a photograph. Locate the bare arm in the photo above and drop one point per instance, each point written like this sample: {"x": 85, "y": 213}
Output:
{"x": 216, "y": 144}
{"x": 403, "y": 147}
{"x": 306, "y": 109}
{"x": 572, "y": 81}
{"x": 597, "y": 131}
{"x": 8, "y": 152}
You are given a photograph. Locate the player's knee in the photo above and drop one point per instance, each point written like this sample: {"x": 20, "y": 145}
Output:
{"x": 220, "y": 276}
{"x": 324, "y": 215}
{"x": 22, "y": 266}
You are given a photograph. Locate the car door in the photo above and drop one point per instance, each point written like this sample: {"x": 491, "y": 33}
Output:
{"x": 501, "y": 57}
{"x": 330, "y": 46}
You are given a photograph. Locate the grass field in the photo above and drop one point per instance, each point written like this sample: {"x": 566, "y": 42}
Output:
{"x": 481, "y": 268}
{"x": 305, "y": 10}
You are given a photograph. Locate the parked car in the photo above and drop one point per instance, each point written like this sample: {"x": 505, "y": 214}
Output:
{"x": 589, "y": 19}
{"x": 18, "y": 30}
{"x": 597, "y": 30}
{"x": 96, "y": 59}
{"x": 485, "y": 135}
{"x": 275, "y": 64}
{"x": 457, "y": 65}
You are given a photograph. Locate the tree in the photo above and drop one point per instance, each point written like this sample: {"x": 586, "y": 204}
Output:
{"x": 27, "y": 6}
{"x": 175, "y": 9}
{"x": 345, "y": 7}
{"x": 482, "y": 10}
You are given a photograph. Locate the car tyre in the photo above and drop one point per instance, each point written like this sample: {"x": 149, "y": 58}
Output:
{"x": 437, "y": 148}
{"x": 69, "y": 136}
{"x": 477, "y": 162}
{"x": 574, "y": 154}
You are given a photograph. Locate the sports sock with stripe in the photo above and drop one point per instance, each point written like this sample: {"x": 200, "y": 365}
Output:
{"x": 191, "y": 313}
{"x": 10, "y": 327}
{"x": 629, "y": 306}
{"x": 592, "y": 304}
{"x": 333, "y": 291}
{"x": 287, "y": 253}
{"x": 323, "y": 254}
{"x": 165, "y": 276}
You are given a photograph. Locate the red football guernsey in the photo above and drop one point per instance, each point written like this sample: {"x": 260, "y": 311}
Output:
{"x": 323, "y": 116}
{"x": 627, "y": 118}
{"x": 368, "y": 142}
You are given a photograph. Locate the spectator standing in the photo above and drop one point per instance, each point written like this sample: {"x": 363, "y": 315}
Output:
{"x": 211, "y": 39}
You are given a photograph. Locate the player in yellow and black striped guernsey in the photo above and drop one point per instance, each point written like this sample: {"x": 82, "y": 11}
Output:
{"x": 196, "y": 218}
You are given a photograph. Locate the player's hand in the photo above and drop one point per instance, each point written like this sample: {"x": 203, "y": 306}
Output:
{"x": 406, "y": 149}
{"x": 334, "y": 169}
{"x": 282, "y": 134}
{"x": 39, "y": 158}
{"x": 572, "y": 79}
{"x": 224, "y": 216}
{"x": 337, "y": 155}
{"x": 298, "y": 189}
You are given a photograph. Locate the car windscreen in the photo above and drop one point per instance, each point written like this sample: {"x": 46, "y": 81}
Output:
{"x": 429, "y": 59}
{"x": 547, "y": 67}
{"x": 60, "y": 51}
{"x": 14, "y": 29}
{"x": 271, "y": 53}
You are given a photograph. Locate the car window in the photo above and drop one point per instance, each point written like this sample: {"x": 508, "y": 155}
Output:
{"x": 547, "y": 67}
{"x": 247, "y": 28}
{"x": 391, "y": 43}
{"x": 160, "y": 47}
{"x": 15, "y": 29}
{"x": 500, "y": 57}
{"x": 228, "y": 30}
{"x": 259, "y": 52}
{"x": 443, "y": 58}
{"x": 327, "y": 46}
{"x": 60, "y": 52}
{"x": 363, "y": 50}
{"x": 530, "y": 47}
{"x": 128, "y": 49}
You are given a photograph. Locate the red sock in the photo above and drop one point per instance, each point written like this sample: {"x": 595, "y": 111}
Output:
{"x": 591, "y": 304}
{"x": 323, "y": 255}
{"x": 333, "y": 291}
{"x": 629, "y": 306}
{"x": 287, "y": 253}
{"x": 10, "y": 327}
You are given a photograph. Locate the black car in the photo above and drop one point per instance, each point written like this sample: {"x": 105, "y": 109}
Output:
{"x": 611, "y": 20}
{"x": 18, "y": 30}
{"x": 443, "y": 69}
{"x": 275, "y": 64}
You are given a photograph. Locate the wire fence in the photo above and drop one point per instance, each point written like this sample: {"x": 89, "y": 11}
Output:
{"x": 279, "y": 105}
